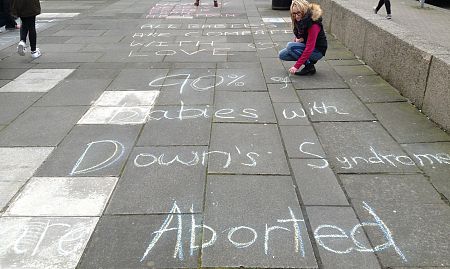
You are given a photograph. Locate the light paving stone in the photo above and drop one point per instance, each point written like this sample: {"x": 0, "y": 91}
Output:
{"x": 372, "y": 89}
{"x": 24, "y": 161}
{"x": 333, "y": 228}
{"x": 291, "y": 114}
{"x": 74, "y": 93}
{"x": 56, "y": 196}
{"x": 39, "y": 242}
{"x": 281, "y": 94}
{"x": 325, "y": 78}
{"x": 241, "y": 80}
{"x": 301, "y": 142}
{"x": 36, "y": 80}
{"x": 122, "y": 242}
{"x": 362, "y": 147}
{"x": 41, "y": 126}
{"x": 13, "y": 104}
{"x": 246, "y": 149}
{"x": 419, "y": 232}
{"x": 247, "y": 209}
{"x": 406, "y": 124}
{"x": 334, "y": 105}
{"x": 91, "y": 151}
{"x": 249, "y": 106}
{"x": 169, "y": 125}
{"x": 127, "y": 98}
{"x": 156, "y": 176}
{"x": 391, "y": 188}
{"x": 434, "y": 160}
{"x": 317, "y": 186}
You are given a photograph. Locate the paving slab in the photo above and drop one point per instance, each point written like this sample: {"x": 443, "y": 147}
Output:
{"x": 41, "y": 126}
{"x": 44, "y": 242}
{"x": 154, "y": 177}
{"x": 176, "y": 125}
{"x": 391, "y": 188}
{"x": 235, "y": 79}
{"x": 134, "y": 242}
{"x": 201, "y": 95}
{"x": 243, "y": 107}
{"x": 411, "y": 228}
{"x": 334, "y": 105}
{"x": 12, "y": 73}
{"x": 301, "y": 142}
{"x": 259, "y": 152}
{"x": 282, "y": 93}
{"x": 406, "y": 124}
{"x": 62, "y": 197}
{"x": 25, "y": 162}
{"x": 260, "y": 227}
{"x": 291, "y": 114}
{"x": 434, "y": 160}
{"x": 317, "y": 186}
{"x": 373, "y": 89}
{"x": 354, "y": 71}
{"x": 14, "y": 104}
{"x": 325, "y": 78}
{"x": 333, "y": 227}
{"x": 362, "y": 147}
{"x": 341, "y": 53}
{"x": 91, "y": 151}
{"x": 37, "y": 80}
{"x": 345, "y": 62}
{"x": 136, "y": 79}
{"x": 74, "y": 93}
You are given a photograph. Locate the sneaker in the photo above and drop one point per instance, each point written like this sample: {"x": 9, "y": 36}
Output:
{"x": 388, "y": 16}
{"x": 21, "y": 48}
{"x": 36, "y": 54}
{"x": 309, "y": 69}
{"x": 374, "y": 10}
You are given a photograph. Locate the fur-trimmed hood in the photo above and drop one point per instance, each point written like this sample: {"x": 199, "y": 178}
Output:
{"x": 315, "y": 11}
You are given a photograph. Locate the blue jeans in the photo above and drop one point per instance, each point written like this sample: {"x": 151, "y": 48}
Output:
{"x": 294, "y": 50}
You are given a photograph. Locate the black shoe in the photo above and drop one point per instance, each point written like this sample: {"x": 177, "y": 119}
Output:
{"x": 309, "y": 69}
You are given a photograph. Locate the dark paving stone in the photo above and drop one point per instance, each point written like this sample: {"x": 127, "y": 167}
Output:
{"x": 1, "y": 127}
{"x": 348, "y": 62}
{"x": 74, "y": 92}
{"x": 362, "y": 147}
{"x": 244, "y": 207}
{"x": 4, "y": 82}
{"x": 390, "y": 188}
{"x": 325, "y": 78}
{"x": 122, "y": 241}
{"x": 248, "y": 56}
{"x": 41, "y": 126}
{"x": 68, "y": 57}
{"x": 334, "y": 105}
{"x": 406, "y": 124}
{"x": 434, "y": 160}
{"x": 98, "y": 73}
{"x": 91, "y": 150}
{"x": 301, "y": 140}
{"x": 241, "y": 80}
{"x": 243, "y": 107}
{"x": 419, "y": 231}
{"x": 165, "y": 127}
{"x": 372, "y": 89}
{"x": 354, "y": 71}
{"x": 247, "y": 149}
{"x": 291, "y": 114}
{"x": 339, "y": 54}
{"x": 274, "y": 72}
{"x": 13, "y": 104}
{"x": 340, "y": 251}
{"x": 10, "y": 74}
{"x": 281, "y": 94}
{"x": 138, "y": 79}
{"x": 149, "y": 186}
{"x": 317, "y": 185}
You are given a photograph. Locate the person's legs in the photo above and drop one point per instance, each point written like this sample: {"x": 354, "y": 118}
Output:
{"x": 24, "y": 29}
{"x": 380, "y": 4}
{"x": 388, "y": 6}
{"x": 292, "y": 51}
{"x": 309, "y": 68}
{"x": 32, "y": 33}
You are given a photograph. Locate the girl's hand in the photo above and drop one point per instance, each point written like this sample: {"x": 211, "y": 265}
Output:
{"x": 292, "y": 70}
{"x": 299, "y": 40}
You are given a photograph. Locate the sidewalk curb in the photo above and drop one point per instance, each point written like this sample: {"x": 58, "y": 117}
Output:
{"x": 418, "y": 69}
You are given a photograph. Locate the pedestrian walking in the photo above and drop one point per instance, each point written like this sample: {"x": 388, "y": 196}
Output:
{"x": 7, "y": 19}
{"x": 27, "y": 10}
{"x": 310, "y": 42}
{"x": 197, "y": 3}
{"x": 387, "y": 4}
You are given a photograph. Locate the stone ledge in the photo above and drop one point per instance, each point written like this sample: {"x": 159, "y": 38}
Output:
{"x": 417, "y": 69}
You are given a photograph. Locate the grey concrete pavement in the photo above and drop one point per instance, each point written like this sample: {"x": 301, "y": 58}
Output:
{"x": 156, "y": 134}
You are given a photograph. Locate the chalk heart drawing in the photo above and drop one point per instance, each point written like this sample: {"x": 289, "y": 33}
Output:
{"x": 291, "y": 224}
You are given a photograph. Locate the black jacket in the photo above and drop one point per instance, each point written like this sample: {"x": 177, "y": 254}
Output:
{"x": 301, "y": 31}
{"x": 25, "y": 8}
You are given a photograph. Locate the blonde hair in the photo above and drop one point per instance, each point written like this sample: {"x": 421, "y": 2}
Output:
{"x": 302, "y": 6}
